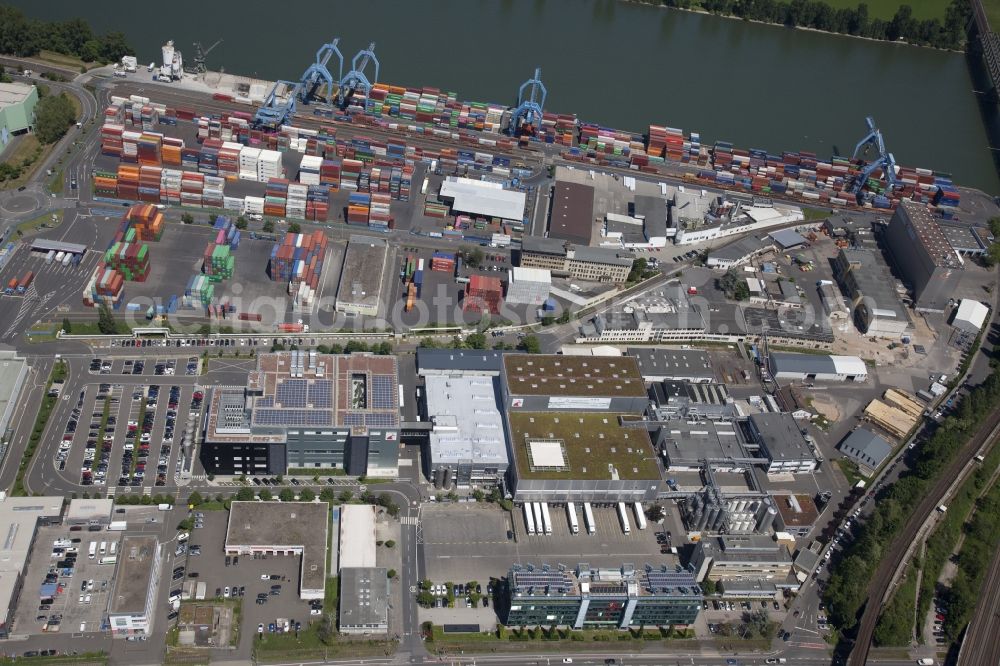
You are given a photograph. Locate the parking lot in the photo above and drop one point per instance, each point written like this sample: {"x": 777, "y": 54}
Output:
{"x": 469, "y": 541}
{"x": 80, "y": 583}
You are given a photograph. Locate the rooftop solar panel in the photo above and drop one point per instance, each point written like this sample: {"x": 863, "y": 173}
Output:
{"x": 384, "y": 393}
{"x": 291, "y": 393}
{"x": 321, "y": 394}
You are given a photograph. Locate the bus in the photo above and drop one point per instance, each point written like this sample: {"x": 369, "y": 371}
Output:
{"x": 574, "y": 525}
{"x": 640, "y": 518}
{"x": 623, "y": 518}
{"x": 111, "y": 559}
{"x": 539, "y": 525}
{"x": 588, "y": 517}
{"x": 529, "y": 520}
{"x": 93, "y": 550}
{"x": 546, "y": 518}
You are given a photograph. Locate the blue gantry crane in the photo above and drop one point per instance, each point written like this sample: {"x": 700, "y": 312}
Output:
{"x": 356, "y": 78}
{"x": 275, "y": 111}
{"x": 530, "y": 102}
{"x": 317, "y": 75}
{"x": 884, "y": 160}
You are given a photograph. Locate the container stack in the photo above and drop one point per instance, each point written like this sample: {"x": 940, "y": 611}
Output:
{"x": 229, "y": 159}
{"x": 379, "y": 217}
{"x": 350, "y": 173}
{"x": 443, "y": 262}
{"x": 358, "y": 208}
{"x": 483, "y": 294}
{"x": 170, "y": 186}
{"x": 276, "y": 197}
{"x": 309, "y": 169}
{"x": 131, "y": 260}
{"x": 192, "y": 186}
{"x": 248, "y": 163}
{"x": 269, "y": 166}
{"x": 149, "y": 183}
{"x": 219, "y": 261}
{"x": 329, "y": 174}
{"x": 299, "y": 258}
{"x": 302, "y": 293}
{"x": 318, "y": 203}
{"x": 147, "y": 221}
{"x": 105, "y": 287}
{"x": 199, "y": 292}
{"x": 170, "y": 151}
{"x": 148, "y": 149}
{"x": 226, "y": 232}
{"x": 111, "y": 140}
{"x": 436, "y": 209}
{"x": 128, "y": 182}
{"x": 295, "y": 205}
{"x": 105, "y": 184}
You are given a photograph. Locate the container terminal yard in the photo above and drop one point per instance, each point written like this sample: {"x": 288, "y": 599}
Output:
{"x": 666, "y": 407}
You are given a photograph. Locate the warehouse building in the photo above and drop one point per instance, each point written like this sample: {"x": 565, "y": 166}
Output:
{"x": 737, "y": 253}
{"x": 307, "y": 410}
{"x": 553, "y": 382}
{"x": 132, "y": 603}
{"x": 17, "y": 110}
{"x": 866, "y": 281}
{"x": 923, "y": 256}
{"x": 658, "y": 364}
{"x": 780, "y": 440}
{"x": 467, "y": 442}
{"x": 592, "y": 264}
{"x": 357, "y": 536}
{"x": 528, "y": 286}
{"x": 797, "y": 514}
{"x": 659, "y": 316}
{"x": 295, "y": 529}
{"x": 364, "y": 601}
{"x": 361, "y": 276}
{"x": 459, "y": 362}
{"x": 20, "y": 518}
{"x": 13, "y": 370}
{"x": 816, "y": 367}
{"x": 609, "y": 597}
{"x": 483, "y": 199}
{"x": 741, "y": 557}
{"x": 572, "y": 217}
{"x": 970, "y": 316}
{"x": 867, "y": 449}
{"x": 692, "y": 401}
{"x": 89, "y": 511}
{"x": 483, "y": 294}
{"x": 833, "y": 302}
{"x": 687, "y": 446}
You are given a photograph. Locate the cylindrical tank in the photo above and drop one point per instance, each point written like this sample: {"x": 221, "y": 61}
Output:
{"x": 767, "y": 519}
{"x": 168, "y": 54}
{"x": 438, "y": 477}
{"x": 712, "y": 515}
{"x": 446, "y": 482}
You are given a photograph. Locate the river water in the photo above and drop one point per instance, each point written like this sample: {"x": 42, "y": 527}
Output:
{"x": 618, "y": 64}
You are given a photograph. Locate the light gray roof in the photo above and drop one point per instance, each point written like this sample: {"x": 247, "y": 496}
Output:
{"x": 364, "y": 597}
{"x": 603, "y": 255}
{"x": 667, "y": 362}
{"x": 44, "y": 245}
{"x": 866, "y": 447}
{"x": 467, "y": 422}
{"x": 459, "y": 360}
{"x": 805, "y": 363}
{"x": 654, "y": 212}
{"x": 787, "y": 238}
{"x": 780, "y": 435}
{"x": 739, "y": 249}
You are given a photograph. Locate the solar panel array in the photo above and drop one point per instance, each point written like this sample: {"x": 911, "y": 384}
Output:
{"x": 354, "y": 419}
{"x": 557, "y": 582}
{"x": 291, "y": 393}
{"x": 380, "y": 420}
{"x": 292, "y": 417}
{"x": 384, "y": 393}
{"x": 669, "y": 581}
{"x": 266, "y": 401}
{"x": 321, "y": 394}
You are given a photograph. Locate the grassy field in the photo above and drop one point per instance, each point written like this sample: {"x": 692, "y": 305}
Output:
{"x": 27, "y": 147}
{"x": 67, "y": 61}
{"x": 886, "y": 9}
{"x": 992, "y": 8}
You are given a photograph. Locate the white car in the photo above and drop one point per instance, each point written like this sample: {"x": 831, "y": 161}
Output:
{"x": 315, "y": 611}
{"x": 265, "y": 577}
{"x": 225, "y": 592}
{"x": 183, "y": 536}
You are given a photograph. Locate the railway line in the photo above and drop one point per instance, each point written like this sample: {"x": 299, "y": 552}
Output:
{"x": 883, "y": 577}
{"x": 981, "y": 644}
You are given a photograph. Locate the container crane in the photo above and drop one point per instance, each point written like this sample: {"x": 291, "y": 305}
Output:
{"x": 356, "y": 78}
{"x": 530, "y": 105}
{"x": 317, "y": 75}
{"x": 200, "y": 54}
{"x": 275, "y": 110}
{"x": 884, "y": 160}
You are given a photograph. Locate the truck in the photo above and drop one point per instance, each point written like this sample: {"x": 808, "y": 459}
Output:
{"x": 588, "y": 517}
{"x": 623, "y": 518}
{"x": 117, "y": 526}
{"x": 640, "y": 517}
{"x": 574, "y": 525}
{"x": 539, "y": 525}
{"x": 529, "y": 519}
{"x": 942, "y": 508}
{"x": 11, "y": 286}
{"x": 291, "y": 327}
{"x": 546, "y": 518}
{"x": 249, "y": 316}
{"x": 164, "y": 507}
{"x": 67, "y": 259}
{"x": 92, "y": 553}
{"x": 60, "y": 256}
{"x": 25, "y": 282}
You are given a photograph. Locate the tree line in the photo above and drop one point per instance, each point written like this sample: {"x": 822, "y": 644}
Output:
{"x": 946, "y": 34}
{"x": 24, "y": 37}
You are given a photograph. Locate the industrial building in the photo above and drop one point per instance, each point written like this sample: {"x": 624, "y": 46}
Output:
{"x": 361, "y": 276}
{"x": 692, "y": 401}
{"x": 13, "y": 370}
{"x": 866, "y": 281}
{"x": 592, "y": 264}
{"x": 609, "y": 597}
{"x": 357, "y": 536}
{"x": 572, "y": 212}
{"x": 657, "y": 364}
{"x": 307, "y": 410}
{"x": 797, "y": 514}
{"x": 661, "y": 315}
{"x": 297, "y": 529}
{"x": 737, "y": 214}
{"x": 687, "y": 446}
{"x": 923, "y": 256}
{"x": 737, "y": 253}
{"x": 17, "y": 110}
{"x": 833, "y": 302}
{"x": 781, "y": 442}
{"x": 709, "y": 509}
{"x": 20, "y": 518}
{"x": 132, "y": 602}
{"x": 741, "y": 557}
{"x": 970, "y": 316}
{"x": 552, "y": 382}
{"x": 89, "y": 511}
{"x": 483, "y": 294}
{"x": 867, "y": 449}
{"x": 459, "y": 362}
{"x": 528, "y": 286}
{"x": 644, "y": 227}
{"x": 789, "y": 366}
{"x": 788, "y": 239}
{"x": 483, "y": 199}
{"x": 364, "y": 601}
{"x": 467, "y": 442}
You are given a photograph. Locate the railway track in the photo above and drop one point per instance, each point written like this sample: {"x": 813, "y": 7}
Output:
{"x": 981, "y": 644}
{"x": 891, "y": 560}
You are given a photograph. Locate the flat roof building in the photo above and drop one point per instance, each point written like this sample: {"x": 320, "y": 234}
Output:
{"x": 816, "y": 367}
{"x": 528, "y": 286}
{"x": 782, "y": 443}
{"x": 787, "y": 239}
{"x": 357, "y": 536}
{"x": 455, "y": 362}
{"x": 970, "y": 316}
{"x": 17, "y": 110}
{"x": 923, "y": 256}
{"x": 20, "y": 518}
{"x": 306, "y": 410}
{"x": 688, "y": 445}
{"x": 608, "y": 597}
{"x": 866, "y": 281}
{"x": 737, "y": 252}
{"x": 572, "y": 209}
{"x": 132, "y": 602}
{"x": 797, "y": 514}
{"x": 284, "y": 528}
{"x": 593, "y": 264}
{"x": 364, "y": 601}
{"x": 657, "y": 364}
{"x": 741, "y": 557}
{"x": 692, "y": 401}
{"x": 467, "y": 438}
{"x": 540, "y": 382}
{"x": 95, "y": 511}
{"x": 361, "y": 276}
{"x": 482, "y": 198}
{"x": 867, "y": 449}
{"x": 13, "y": 370}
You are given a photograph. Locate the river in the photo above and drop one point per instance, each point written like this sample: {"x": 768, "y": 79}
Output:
{"x": 618, "y": 64}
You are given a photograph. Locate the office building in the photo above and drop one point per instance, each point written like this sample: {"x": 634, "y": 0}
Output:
{"x": 779, "y": 439}
{"x": 132, "y": 604}
{"x": 563, "y": 259}
{"x": 361, "y": 276}
{"x": 923, "y": 256}
{"x": 364, "y": 601}
{"x": 741, "y": 557}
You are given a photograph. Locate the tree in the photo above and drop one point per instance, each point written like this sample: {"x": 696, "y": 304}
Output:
{"x": 530, "y": 345}
{"x": 638, "y": 270}
{"x": 734, "y": 286}
{"x": 307, "y": 495}
{"x": 294, "y": 228}
{"x": 655, "y": 513}
{"x": 287, "y": 495}
{"x": 390, "y": 544}
{"x": 244, "y": 494}
{"x": 268, "y": 226}
{"x": 476, "y": 341}
{"x": 327, "y": 495}
{"x": 90, "y": 51}
{"x": 345, "y": 496}
{"x": 708, "y": 586}
{"x": 327, "y": 630}
{"x": 356, "y": 346}
{"x": 54, "y": 114}
{"x": 472, "y": 256}
{"x": 425, "y": 599}
{"x": 390, "y": 574}
{"x": 241, "y": 222}
{"x": 66, "y": 326}
{"x": 265, "y": 495}
{"x": 105, "y": 320}
{"x": 194, "y": 498}
{"x": 113, "y": 47}
{"x": 187, "y": 218}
